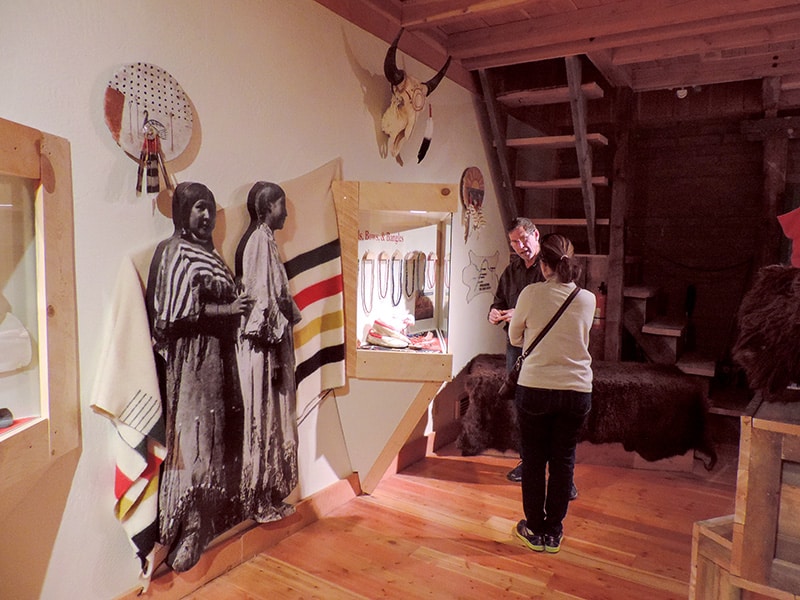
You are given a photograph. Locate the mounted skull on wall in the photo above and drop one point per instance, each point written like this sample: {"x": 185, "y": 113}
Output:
{"x": 408, "y": 98}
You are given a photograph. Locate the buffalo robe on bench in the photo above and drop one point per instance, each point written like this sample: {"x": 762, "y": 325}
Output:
{"x": 654, "y": 410}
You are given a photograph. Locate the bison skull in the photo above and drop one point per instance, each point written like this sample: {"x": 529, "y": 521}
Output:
{"x": 408, "y": 98}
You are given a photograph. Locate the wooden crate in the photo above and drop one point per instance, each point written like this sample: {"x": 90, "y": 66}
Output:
{"x": 756, "y": 551}
{"x": 766, "y": 541}
{"x": 712, "y": 541}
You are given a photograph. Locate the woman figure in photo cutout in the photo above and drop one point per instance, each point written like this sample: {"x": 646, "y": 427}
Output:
{"x": 196, "y": 312}
{"x": 267, "y": 362}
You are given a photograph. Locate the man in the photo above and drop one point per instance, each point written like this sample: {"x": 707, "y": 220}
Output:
{"x": 522, "y": 270}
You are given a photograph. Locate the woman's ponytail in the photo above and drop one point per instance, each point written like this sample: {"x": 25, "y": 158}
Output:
{"x": 557, "y": 252}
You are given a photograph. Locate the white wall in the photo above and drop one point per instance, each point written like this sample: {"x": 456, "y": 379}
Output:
{"x": 280, "y": 88}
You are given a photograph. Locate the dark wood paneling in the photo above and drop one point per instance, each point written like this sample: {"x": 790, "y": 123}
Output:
{"x": 696, "y": 203}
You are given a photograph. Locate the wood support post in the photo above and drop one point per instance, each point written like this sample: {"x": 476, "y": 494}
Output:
{"x": 616, "y": 243}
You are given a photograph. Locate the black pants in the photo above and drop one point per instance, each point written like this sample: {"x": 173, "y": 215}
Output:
{"x": 549, "y": 423}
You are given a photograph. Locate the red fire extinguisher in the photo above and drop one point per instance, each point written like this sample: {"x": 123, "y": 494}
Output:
{"x": 597, "y": 335}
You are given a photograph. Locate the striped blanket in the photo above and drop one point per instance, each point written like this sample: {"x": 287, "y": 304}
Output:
{"x": 127, "y": 392}
{"x": 309, "y": 243}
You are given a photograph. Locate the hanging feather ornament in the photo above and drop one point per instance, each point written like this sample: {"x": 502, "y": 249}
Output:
{"x": 151, "y": 158}
{"x": 426, "y": 140}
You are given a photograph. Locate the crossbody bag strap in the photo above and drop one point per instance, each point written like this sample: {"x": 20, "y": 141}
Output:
{"x": 552, "y": 322}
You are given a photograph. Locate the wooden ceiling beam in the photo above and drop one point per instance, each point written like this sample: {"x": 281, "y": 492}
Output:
{"x": 656, "y": 76}
{"x": 424, "y": 13}
{"x": 790, "y": 82}
{"x": 617, "y": 76}
{"x": 367, "y": 14}
{"x": 524, "y": 55}
{"x": 639, "y": 44}
{"x": 630, "y": 42}
{"x": 629, "y": 17}
{"x": 777, "y": 52}
{"x": 786, "y": 30}
{"x": 381, "y": 18}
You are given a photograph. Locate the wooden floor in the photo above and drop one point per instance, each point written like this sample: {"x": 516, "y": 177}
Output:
{"x": 442, "y": 529}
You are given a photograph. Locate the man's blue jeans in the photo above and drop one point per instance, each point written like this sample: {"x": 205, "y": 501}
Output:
{"x": 549, "y": 422}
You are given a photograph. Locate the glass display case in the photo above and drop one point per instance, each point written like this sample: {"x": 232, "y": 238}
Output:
{"x": 38, "y": 327}
{"x": 396, "y": 241}
{"x": 19, "y": 330}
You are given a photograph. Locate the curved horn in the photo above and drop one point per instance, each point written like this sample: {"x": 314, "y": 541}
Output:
{"x": 393, "y": 74}
{"x": 436, "y": 79}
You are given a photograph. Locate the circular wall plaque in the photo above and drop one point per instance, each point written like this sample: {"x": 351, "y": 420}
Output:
{"x": 140, "y": 94}
{"x": 472, "y": 188}
{"x": 472, "y": 191}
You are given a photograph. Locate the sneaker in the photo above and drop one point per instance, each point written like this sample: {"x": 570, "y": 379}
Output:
{"x": 573, "y": 492}
{"x": 552, "y": 543}
{"x": 515, "y": 474}
{"x": 533, "y": 541}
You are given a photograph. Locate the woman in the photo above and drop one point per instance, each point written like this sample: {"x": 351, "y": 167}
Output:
{"x": 554, "y": 391}
{"x": 266, "y": 362}
{"x": 196, "y": 312}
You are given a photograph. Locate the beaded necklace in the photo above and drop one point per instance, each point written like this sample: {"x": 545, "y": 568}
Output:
{"x": 397, "y": 279}
{"x": 411, "y": 268}
{"x": 383, "y": 268}
{"x": 430, "y": 270}
{"x": 367, "y": 261}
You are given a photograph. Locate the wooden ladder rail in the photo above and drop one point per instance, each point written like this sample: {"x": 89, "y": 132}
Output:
{"x": 501, "y": 169}
{"x": 577, "y": 102}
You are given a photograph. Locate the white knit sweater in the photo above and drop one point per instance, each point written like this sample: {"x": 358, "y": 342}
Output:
{"x": 561, "y": 361}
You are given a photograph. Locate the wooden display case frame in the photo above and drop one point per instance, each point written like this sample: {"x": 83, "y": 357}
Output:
{"x": 400, "y": 201}
{"x": 29, "y": 448}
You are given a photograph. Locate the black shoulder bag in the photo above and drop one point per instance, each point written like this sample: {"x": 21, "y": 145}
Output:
{"x": 509, "y": 386}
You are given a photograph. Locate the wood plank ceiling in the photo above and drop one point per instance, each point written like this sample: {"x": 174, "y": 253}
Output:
{"x": 642, "y": 44}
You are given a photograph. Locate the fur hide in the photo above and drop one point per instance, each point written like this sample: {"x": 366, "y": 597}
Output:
{"x": 490, "y": 421}
{"x": 768, "y": 344}
{"x": 654, "y": 410}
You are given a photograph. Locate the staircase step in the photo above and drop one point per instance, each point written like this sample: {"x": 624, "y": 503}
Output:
{"x": 734, "y": 402}
{"x": 695, "y": 364}
{"x": 665, "y": 326}
{"x": 556, "y": 221}
{"x": 552, "y": 95}
{"x": 560, "y": 184}
{"x": 554, "y": 141}
{"x": 640, "y": 291}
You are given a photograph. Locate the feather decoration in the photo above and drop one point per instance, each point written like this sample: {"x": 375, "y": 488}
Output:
{"x": 151, "y": 159}
{"x": 426, "y": 140}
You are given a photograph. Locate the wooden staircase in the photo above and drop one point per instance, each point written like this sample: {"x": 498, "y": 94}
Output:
{"x": 576, "y": 217}
{"x": 629, "y": 308}
{"x": 576, "y": 93}
{"x": 661, "y": 339}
